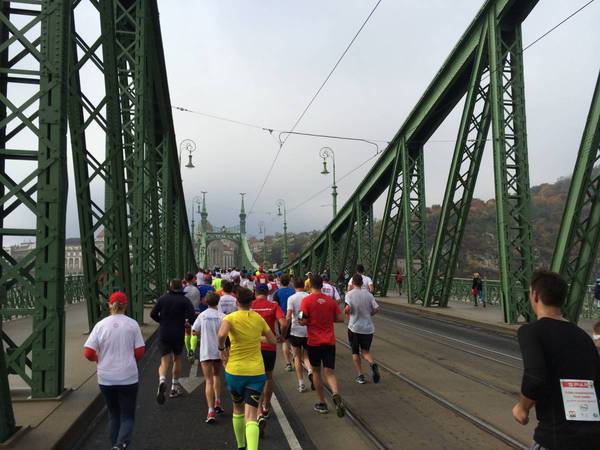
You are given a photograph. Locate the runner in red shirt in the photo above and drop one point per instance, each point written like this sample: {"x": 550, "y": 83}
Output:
{"x": 271, "y": 312}
{"x": 261, "y": 277}
{"x": 319, "y": 312}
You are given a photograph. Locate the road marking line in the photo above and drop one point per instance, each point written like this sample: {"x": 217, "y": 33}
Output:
{"x": 285, "y": 425}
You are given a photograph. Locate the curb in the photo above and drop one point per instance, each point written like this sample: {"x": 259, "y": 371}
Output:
{"x": 500, "y": 329}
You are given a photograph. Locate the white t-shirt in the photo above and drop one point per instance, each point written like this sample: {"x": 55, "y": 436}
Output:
{"x": 293, "y": 304}
{"x": 234, "y": 274}
{"x": 366, "y": 282}
{"x": 227, "y": 304}
{"x": 208, "y": 324}
{"x": 331, "y": 291}
{"x": 248, "y": 284}
{"x": 362, "y": 304}
{"x": 193, "y": 294}
{"x": 114, "y": 339}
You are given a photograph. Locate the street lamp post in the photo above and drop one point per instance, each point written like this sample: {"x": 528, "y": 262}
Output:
{"x": 263, "y": 229}
{"x": 324, "y": 153}
{"x": 189, "y": 146}
{"x": 279, "y": 203}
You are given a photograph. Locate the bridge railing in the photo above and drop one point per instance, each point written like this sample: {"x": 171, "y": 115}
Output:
{"x": 461, "y": 292}
{"x": 20, "y": 302}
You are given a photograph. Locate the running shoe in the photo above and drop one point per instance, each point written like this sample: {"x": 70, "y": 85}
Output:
{"x": 218, "y": 408}
{"x": 321, "y": 408}
{"x": 264, "y": 413}
{"x": 376, "y": 374}
{"x": 302, "y": 388}
{"x": 288, "y": 367}
{"x": 176, "y": 391}
{"x": 360, "y": 379}
{"x": 210, "y": 418}
{"x": 160, "y": 394}
{"x": 310, "y": 378}
{"x": 340, "y": 409}
{"x": 262, "y": 424}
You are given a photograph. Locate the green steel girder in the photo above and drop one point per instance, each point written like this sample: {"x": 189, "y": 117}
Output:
{"x": 511, "y": 167}
{"x": 415, "y": 222}
{"x": 470, "y": 143}
{"x": 33, "y": 124}
{"x": 444, "y": 92}
{"x": 106, "y": 263}
{"x": 390, "y": 225}
{"x": 364, "y": 235}
{"x": 579, "y": 235}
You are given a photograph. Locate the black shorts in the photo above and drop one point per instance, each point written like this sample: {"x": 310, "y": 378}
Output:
{"x": 359, "y": 342}
{"x": 321, "y": 354}
{"x": 269, "y": 359}
{"x": 167, "y": 347}
{"x": 297, "y": 341}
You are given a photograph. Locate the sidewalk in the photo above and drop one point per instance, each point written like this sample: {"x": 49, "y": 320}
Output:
{"x": 489, "y": 317}
{"x": 54, "y": 423}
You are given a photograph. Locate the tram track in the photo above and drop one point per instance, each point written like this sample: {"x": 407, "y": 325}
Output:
{"x": 447, "y": 404}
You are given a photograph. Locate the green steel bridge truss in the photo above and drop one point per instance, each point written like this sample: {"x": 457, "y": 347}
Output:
{"x": 129, "y": 188}
{"x": 486, "y": 69}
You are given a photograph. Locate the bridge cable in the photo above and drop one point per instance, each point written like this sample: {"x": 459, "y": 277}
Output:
{"x": 314, "y": 97}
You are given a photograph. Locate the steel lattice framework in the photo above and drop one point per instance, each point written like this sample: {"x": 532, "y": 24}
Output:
{"x": 130, "y": 201}
{"x": 486, "y": 69}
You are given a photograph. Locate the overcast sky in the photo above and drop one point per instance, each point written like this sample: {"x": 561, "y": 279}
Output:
{"x": 261, "y": 61}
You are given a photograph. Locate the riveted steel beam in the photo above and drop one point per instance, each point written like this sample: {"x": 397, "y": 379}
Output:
{"x": 579, "y": 235}
{"x": 511, "y": 167}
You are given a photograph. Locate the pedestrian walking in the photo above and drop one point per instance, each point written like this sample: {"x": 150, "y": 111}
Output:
{"x": 318, "y": 313}
{"x": 244, "y": 367}
{"x": 360, "y": 308}
{"x": 171, "y": 311}
{"x": 207, "y": 326}
{"x": 116, "y": 344}
{"x": 367, "y": 281}
{"x": 561, "y": 375}
{"x": 399, "y": 279}
{"x": 477, "y": 290}
{"x": 297, "y": 336}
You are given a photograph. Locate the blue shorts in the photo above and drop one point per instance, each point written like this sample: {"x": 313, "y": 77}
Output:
{"x": 245, "y": 388}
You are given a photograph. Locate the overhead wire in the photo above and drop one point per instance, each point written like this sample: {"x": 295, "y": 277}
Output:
{"x": 313, "y": 98}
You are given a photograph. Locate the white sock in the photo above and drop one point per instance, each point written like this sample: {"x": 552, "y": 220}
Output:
{"x": 162, "y": 379}
{"x": 300, "y": 382}
{"x": 175, "y": 381}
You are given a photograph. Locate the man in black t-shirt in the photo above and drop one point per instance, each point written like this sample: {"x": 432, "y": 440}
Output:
{"x": 171, "y": 312}
{"x": 554, "y": 351}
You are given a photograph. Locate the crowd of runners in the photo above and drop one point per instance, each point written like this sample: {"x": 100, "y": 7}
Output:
{"x": 233, "y": 322}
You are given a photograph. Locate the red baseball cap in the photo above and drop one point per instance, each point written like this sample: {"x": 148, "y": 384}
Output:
{"x": 118, "y": 297}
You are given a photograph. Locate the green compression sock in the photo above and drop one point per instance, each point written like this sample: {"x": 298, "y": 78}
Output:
{"x": 194, "y": 343}
{"x": 186, "y": 341}
{"x": 252, "y": 435}
{"x": 239, "y": 423}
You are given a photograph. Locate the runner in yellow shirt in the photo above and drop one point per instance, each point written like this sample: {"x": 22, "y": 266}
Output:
{"x": 244, "y": 368}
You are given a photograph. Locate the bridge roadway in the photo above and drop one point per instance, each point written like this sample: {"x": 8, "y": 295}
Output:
{"x": 445, "y": 384}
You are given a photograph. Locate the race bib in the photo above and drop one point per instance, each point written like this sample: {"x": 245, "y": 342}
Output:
{"x": 579, "y": 400}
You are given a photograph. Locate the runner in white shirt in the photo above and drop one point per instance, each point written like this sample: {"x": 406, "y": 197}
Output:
{"x": 329, "y": 289}
{"x": 227, "y": 302}
{"x": 116, "y": 344}
{"x": 360, "y": 307}
{"x": 367, "y": 283}
{"x": 298, "y": 335}
{"x": 207, "y": 325}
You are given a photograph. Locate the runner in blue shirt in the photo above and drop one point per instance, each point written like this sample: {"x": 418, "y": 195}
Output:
{"x": 281, "y": 297}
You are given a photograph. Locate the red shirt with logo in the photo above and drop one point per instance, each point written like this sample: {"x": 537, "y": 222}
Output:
{"x": 262, "y": 278}
{"x": 320, "y": 310}
{"x": 271, "y": 312}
